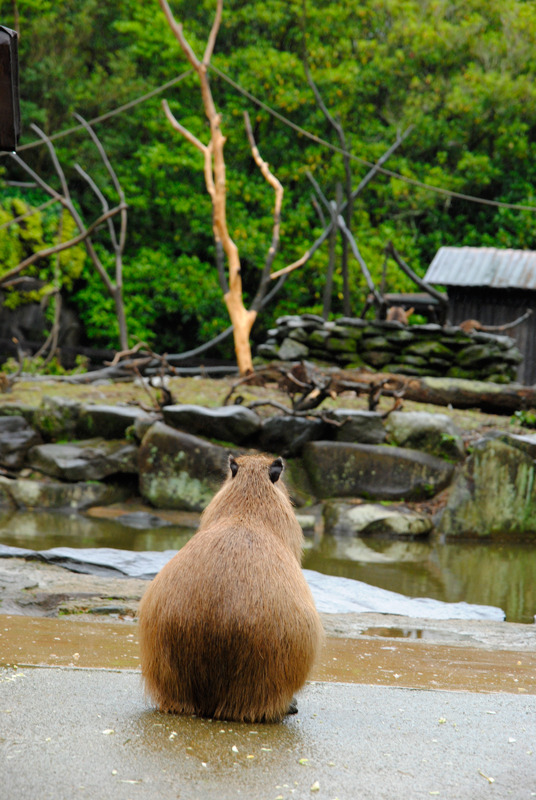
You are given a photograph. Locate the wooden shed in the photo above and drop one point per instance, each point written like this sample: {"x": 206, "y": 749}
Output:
{"x": 494, "y": 287}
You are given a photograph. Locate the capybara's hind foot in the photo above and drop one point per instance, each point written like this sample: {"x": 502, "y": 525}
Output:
{"x": 293, "y": 706}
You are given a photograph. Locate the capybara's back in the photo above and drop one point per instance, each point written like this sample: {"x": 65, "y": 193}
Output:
{"x": 228, "y": 628}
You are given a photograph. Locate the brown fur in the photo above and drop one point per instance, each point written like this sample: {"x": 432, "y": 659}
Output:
{"x": 228, "y": 628}
{"x": 398, "y": 314}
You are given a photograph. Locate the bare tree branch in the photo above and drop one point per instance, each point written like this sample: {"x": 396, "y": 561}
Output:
{"x": 278, "y": 190}
{"x": 181, "y": 129}
{"x": 57, "y": 248}
{"x": 114, "y": 288}
{"x": 306, "y": 256}
{"x": 118, "y": 246}
{"x": 213, "y": 33}
{"x": 339, "y": 130}
{"x": 360, "y": 259}
{"x": 178, "y": 33}
{"x": 324, "y": 235}
{"x": 392, "y": 251}
{"x": 29, "y": 213}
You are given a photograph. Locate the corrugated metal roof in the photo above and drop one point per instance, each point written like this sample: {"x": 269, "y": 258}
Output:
{"x": 483, "y": 266}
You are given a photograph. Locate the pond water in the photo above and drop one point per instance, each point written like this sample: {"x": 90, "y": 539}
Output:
{"x": 502, "y": 575}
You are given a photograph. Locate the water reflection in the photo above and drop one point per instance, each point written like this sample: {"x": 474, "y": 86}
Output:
{"x": 43, "y": 530}
{"x": 487, "y": 574}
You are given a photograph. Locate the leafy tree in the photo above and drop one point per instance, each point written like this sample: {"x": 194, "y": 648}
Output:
{"x": 462, "y": 73}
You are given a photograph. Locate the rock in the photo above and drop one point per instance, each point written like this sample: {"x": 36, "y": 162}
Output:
{"x": 18, "y": 410}
{"x": 358, "y": 426}
{"x": 24, "y": 493}
{"x": 57, "y": 418}
{"x": 228, "y": 423}
{"x": 318, "y": 338}
{"x": 142, "y": 425}
{"x": 286, "y": 435}
{"x": 298, "y": 334}
{"x": 428, "y": 349}
{"x": 142, "y": 520}
{"x": 494, "y": 495}
{"x": 366, "y": 518}
{"x": 6, "y": 499}
{"x": 291, "y": 350}
{"x": 432, "y": 433}
{"x": 336, "y": 345}
{"x": 16, "y": 438}
{"x": 268, "y": 350}
{"x": 354, "y": 333}
{"x": 512, "y": 356}
{"x": 376, "y": 343}
{"x": 178, "y": 470}
{"x": 524, "y": 442}
{"x": 298, "y": 483}
{"x": 110, "y": 422}
{"x": 476, "y": 355}
{"x": 90, "y": 460}
{"x": 400, "y": 336}
{"x": 377, "y": 358}
{"x": 337, "y": 469}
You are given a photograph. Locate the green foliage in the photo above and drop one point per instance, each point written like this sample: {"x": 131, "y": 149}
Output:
{"x": 36, "y": 230}
{"x": 169, "y": 302}
{"x": 463, "y": 74}
{"x": 39, "y": 366}
{"x": 524, "y": 417}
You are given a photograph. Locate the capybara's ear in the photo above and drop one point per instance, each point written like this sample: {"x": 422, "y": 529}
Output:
{"x": 276, "y": 468}
{"x": 233, "y": 465}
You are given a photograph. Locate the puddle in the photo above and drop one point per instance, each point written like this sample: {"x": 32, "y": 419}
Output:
{"x": 415, "y": 634}
{"x": 28, "y": 641}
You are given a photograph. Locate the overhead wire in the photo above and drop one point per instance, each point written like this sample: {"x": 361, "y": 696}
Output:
{"x": 294, "y": 126}
{"x": 108, "y": 114}
{"x": 319, "y": 140}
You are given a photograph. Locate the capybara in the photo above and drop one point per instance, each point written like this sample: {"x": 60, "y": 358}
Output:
{"x": 398, "y": 314}
{"x": 228, "y": 628}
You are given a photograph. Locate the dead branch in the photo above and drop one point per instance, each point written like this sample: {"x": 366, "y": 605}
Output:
{"x": 360, "y": 259}
{"x": 392, "y": 251}
{"x": 126, "y": 354}
{"x": 278, "y": 190}
{"x": 57, "y": 248}
{"x": 359, "y": 188}
{"x": 339, "y": 130}
{"x": 215, "y": 181}
{"x": 114, "y": 288}
{"x": 242, "y": 318}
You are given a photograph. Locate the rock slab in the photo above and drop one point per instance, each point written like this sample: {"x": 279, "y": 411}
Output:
{"x": 178, "y": 470}
{"x": 339, "y": 469}
{"x": 90, "y": 460}
{"x": 228, "y": 423}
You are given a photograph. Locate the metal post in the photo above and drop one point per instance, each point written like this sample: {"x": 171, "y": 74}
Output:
{"x": 9, "y": 90}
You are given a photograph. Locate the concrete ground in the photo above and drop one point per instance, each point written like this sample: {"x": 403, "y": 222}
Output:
{"x": 385, "y": 717}
{"x": 73, "y": 733}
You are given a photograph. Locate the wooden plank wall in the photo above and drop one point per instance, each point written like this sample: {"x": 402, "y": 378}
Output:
{"x": 497, "y": 307}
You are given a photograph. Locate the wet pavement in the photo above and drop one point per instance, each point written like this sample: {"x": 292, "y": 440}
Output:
{"x": 387, "y": 715}
{"x": 84, "y": 733}
{"x": 398, "y": 708}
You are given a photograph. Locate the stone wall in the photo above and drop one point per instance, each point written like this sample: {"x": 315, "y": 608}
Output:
{"x": 392, "y": 347}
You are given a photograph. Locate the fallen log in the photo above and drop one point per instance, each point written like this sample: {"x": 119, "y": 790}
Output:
{"x": 308, "y": 385}
{"x": 492, "y": 398}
